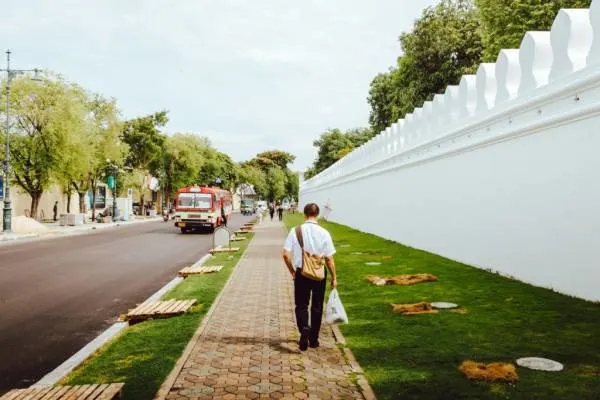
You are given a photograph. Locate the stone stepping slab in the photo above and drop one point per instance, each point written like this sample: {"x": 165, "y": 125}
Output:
{"x": 159, "y": 309}
{"x": 199, "y": 270}
{"x": 241, "y": 232}
{"x": 224, "y": 250}
{"x": 237, "y": 239}
{"x": 107, "y": 391}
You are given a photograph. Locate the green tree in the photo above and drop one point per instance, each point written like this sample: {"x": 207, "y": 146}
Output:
{"x": 280, "y": 158}
{"x": 335, "y": 144}
{"x": 218, "y": 165}
{"x": 292, "y": 184}
{"x": 146, "y": 142}
{"x": 181, "y": 159}
{"x": 505, "y": 22}
{"x": 444, "y": 44}
{"x": 44, "y": 114}
{"x": 256, "y": 177}
{"x": 97, "y": 141}
{"x": 275, "y": 180}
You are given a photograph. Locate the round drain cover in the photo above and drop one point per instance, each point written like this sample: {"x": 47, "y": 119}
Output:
{"x": 373, "y": 263}
{"x": 540, "y": 364}
{"x": 443, "y": 304}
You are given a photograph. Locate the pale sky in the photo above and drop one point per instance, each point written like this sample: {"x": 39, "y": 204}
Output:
{"x": 249, "y": 75}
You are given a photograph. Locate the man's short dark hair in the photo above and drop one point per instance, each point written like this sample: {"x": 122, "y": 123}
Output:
{"x": 311, "y": 210}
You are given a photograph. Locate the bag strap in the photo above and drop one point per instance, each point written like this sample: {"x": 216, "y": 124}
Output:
{"x": 299, "y": 236}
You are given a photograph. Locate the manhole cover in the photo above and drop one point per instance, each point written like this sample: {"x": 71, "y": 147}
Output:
{"x": 443, "y": 304}
{"x": 373, "y": 263}
{"x": 540, "y": 364}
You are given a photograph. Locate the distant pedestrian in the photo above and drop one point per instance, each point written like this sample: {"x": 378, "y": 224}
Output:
{"x": 55, "y": 209}
{"x": 271, "y": 210}
{"x": 304, "y": 251}
{"x": 280, "y": 212}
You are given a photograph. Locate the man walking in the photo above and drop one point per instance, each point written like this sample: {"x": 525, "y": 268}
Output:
{"x": 55, "y": 210}
{"x": 280, "y": 212}
{"x": 271, "y": 210}
{"x": 310, "y": 240}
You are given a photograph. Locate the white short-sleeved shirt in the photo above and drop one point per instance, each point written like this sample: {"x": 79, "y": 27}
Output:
{"x": 316, "y": 241}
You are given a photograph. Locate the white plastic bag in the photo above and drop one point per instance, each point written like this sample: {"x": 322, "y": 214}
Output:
{"x": 335, "y": 313}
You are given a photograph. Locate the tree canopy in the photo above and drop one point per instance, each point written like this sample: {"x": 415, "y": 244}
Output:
{"x": 444, "y": 44}
{"x": 504, "y": 22}
{"x": 335, "y": 144}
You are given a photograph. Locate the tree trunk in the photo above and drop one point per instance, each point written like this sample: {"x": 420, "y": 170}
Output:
{"x": 35, "y": 202}
{"x": 93, "y": 201}
{"x": 68, "y": 203}
{"x": 142, "y": 206}
{"x": 81, "y": 202}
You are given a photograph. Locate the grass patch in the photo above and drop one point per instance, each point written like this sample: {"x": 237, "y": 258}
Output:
{"x": 418, "y": 357}
{"x": 144, "y": 355}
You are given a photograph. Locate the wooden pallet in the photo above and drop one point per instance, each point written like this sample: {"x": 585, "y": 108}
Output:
{"x": 159, "y": 309}
{"x": 224, "y": 250}
{"x": 108, "y": 391}
{"x": 200, "y": 270}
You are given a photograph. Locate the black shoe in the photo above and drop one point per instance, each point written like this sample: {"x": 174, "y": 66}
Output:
{"x": 314, "y": 344}
{"x": 303, "y": 343}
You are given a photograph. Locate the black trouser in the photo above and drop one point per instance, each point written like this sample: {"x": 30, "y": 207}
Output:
{"x": 280, "y": 213}
{"x": 303, "y": 288}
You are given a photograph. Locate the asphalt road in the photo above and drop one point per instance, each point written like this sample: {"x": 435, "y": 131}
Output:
{"x": 57, "y": 295}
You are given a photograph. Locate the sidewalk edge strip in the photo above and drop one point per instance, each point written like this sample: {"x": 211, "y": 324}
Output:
{"x": 363, "y": 383}
{"x": 164, "y": 389}
{"x": 78, "y": 358}
{"x": 64, "y": 369}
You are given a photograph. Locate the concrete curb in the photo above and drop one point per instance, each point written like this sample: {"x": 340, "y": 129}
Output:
{"x": 365, "y": 388}
{"x": 64, "y": 369}
{"x": 37, "y": 237}
{"x": 164, "y": 389}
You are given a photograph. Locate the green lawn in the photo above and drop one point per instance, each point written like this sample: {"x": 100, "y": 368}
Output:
{"x": 418, "y": 357}
{"x": 144, "y": 355}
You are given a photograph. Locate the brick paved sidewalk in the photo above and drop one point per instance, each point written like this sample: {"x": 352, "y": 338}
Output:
{"x": 247, "y": 348}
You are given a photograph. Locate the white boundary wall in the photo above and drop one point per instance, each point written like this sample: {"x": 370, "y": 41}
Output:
{"x": 501, "y": 171}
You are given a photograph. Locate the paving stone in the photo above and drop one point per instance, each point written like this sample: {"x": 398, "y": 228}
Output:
{"x": 249, "y": 350}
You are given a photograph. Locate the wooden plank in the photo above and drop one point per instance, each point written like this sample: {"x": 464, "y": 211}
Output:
{"x": 51, "y": 392}
{"x": 94, "y": 395}
{"x": 158, "y": 307}
{"x": 176, "y": 307}
{"x": 37, "y": 394}
{"x": 76, "y": 392}
{"x": 142, "y": 308}
{"x": 111, "y": 392}
{"x": 88, "y": 392}
{"x": 58, "y": 394}
{"x": 225, "y": 250}
{"x": 13, "y": 394}
{"x": 165, "y": 306}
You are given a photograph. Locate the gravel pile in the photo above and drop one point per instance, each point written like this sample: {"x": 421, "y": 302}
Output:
{"x": 22, "y": 224}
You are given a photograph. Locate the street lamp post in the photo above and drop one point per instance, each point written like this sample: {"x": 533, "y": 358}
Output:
{"x": 10, "y": 74}
{"x": 114, "y": 170}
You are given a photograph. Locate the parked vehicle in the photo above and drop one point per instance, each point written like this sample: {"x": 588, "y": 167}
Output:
{"x": 247, "y": 207}
{"x": 202, "y": 208}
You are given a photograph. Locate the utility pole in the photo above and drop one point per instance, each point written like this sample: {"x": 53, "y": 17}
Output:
{"x": 10, "y": 74}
